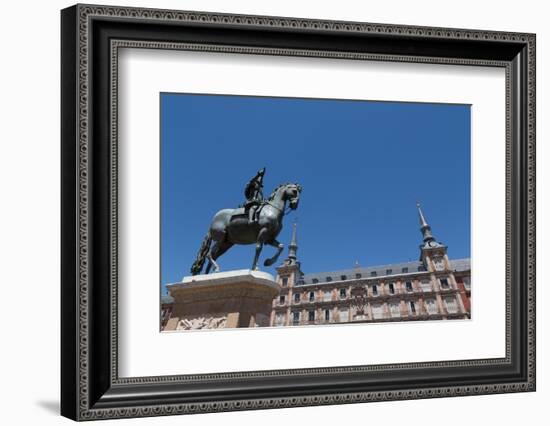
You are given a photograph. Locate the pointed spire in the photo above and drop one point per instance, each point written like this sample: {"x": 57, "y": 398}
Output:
{"x": 424, "y": 227}
{"x": 423, "y": 222}
{"x": 292, "y": 247}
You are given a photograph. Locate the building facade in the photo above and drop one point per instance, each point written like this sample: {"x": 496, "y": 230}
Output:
{"x": 432, "y": 288}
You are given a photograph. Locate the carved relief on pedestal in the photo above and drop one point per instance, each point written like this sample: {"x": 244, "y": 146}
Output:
{"x": 202, "y": 323}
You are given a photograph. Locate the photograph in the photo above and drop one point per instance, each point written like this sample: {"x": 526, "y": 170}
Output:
{"x": 261, "y": 211}
{"x": 279, "y": 211}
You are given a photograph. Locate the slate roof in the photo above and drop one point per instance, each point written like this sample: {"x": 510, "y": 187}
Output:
{"x": 375, "y": 271}
{"x": 461, "y": 264}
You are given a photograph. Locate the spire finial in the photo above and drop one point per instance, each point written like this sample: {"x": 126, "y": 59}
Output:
{"x": 292, "y": 247}
{"x": 424, "y": 227}
{"x": 421, "y": 217}
{"x": 293, "y": 239}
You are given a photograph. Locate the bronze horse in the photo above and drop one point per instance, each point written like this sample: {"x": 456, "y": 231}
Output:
{"x": 232, "y": 226}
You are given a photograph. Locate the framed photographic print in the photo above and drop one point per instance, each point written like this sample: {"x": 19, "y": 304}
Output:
{"x": 263, "y": 212}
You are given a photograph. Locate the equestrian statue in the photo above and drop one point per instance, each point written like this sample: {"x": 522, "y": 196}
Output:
{"x": 258, "y": 221}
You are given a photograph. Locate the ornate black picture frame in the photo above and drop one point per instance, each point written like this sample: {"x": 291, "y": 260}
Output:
{"x": 91, "y": 387}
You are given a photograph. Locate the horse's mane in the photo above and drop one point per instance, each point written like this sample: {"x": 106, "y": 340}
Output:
{"x": 279, "y": 187}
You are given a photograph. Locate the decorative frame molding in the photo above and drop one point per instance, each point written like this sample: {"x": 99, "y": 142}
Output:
{"x": 91, "y": 37}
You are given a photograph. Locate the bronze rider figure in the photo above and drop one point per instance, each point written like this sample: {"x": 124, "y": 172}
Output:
{"x": 254, "y": 195}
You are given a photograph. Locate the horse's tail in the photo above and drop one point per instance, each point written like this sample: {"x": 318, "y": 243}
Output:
{"x": 196, "y": 268}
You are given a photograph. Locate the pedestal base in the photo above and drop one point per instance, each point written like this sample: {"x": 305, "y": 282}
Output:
{"x": 231, "y": 299}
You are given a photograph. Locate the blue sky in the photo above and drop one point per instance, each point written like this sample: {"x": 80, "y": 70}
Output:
{"x": 362, "y": 164}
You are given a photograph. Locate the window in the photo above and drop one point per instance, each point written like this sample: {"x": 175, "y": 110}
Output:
{"x": 373, "y": 273}
{"x": 343, "y": 277}
{"x": 311, "y": 296}
{"x": 315, "y": 281}
{"x": 395, "y": 310}
{"x": 451, "y": 305}
{"x": 426, "y": 285}
{"x": 342, "y": 293}
{"x": 311, "y": 316}
{"x": 358, "y": 276}
{"x": 327, "y": 314}
{"x": 404, "y": 270}
{"x": 296, "y": 317}
{"x": 344, "y": 315}
{"x": 409, "y": 286}
{"x": 392, "y": 288}
{"x": 413, "y": 307}
{"x": 327, "y": 295}
{"x": 467, "y": 283}
{"x": 377, "y": 311}
{"x": 444, "y": 283}
{"x": 388, "y": 271}
{"x": 297, "y": 297}
{"x": 279, "y": 319}
{"x": 421, "y": 268}
{"x": 431, "y": 306}
{"x": 285, "y": 281}
{"x": 374, "y": 290}
{"x": 328, "y": 279}
{"x": 282, "y": 300}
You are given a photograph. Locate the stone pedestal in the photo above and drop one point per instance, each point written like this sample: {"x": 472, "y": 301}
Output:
{"x": 231, "y": 299}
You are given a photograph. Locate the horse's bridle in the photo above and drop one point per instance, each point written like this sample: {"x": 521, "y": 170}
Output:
{"x": 278, "y": 208}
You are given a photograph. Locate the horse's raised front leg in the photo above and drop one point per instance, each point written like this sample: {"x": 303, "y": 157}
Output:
{"x": 279, "y": 246}
{"x": 259, "y": 245}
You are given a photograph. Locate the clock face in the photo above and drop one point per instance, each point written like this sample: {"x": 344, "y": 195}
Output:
{"x": 439, "y": 263}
